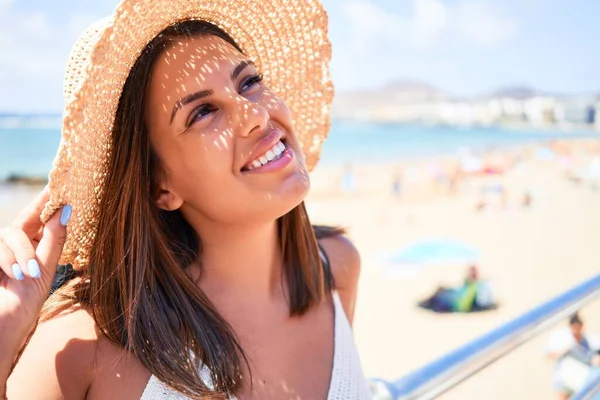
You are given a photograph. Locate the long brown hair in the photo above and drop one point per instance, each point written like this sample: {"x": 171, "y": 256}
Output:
{"x": 136, "y": 286}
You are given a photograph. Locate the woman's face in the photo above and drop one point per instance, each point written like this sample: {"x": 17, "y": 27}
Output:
{"x": 225, "y": 142}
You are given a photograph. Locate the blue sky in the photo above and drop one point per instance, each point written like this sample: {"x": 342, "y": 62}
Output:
{"x": 466, "y": 47}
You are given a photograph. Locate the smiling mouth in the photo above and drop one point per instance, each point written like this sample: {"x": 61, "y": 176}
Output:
{"x": 273, "y": 154}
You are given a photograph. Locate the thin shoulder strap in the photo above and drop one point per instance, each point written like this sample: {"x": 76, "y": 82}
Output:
{"x": 329, "y": 280}
{"x": 64, "y": 273}
{"x": 324, "y": 258}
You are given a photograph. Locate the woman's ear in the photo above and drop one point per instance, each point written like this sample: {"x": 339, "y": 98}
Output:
{"x": 167, "y": 199}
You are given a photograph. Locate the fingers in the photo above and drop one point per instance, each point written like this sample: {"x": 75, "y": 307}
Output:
{"x": 20, "y": 258}
{"x": 8, "y": 263}
{"x": 52, "y": 242}
{"x": 29, "y": 219}
{"x": 17, "y": 243}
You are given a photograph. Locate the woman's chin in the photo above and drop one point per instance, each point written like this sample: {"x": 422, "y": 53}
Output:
{"x": 291, "y": 198}
{"x": 297, "y": 187}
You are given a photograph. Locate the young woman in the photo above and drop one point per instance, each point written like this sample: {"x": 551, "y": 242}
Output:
{"x": 196, "y": 272}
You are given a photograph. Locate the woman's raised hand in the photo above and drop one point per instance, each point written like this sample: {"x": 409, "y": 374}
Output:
{"x": 29, "y": 255}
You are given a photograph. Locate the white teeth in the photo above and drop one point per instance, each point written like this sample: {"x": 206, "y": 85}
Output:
{"x": 270, "y": 155}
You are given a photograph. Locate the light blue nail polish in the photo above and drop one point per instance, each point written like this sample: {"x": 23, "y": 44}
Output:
{"x": 17, "y": 272}
{"x": 65, "y": 214}
{"x": 34, "y": 268}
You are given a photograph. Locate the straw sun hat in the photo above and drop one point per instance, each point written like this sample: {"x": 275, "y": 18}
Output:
{"x": 287, "y": 40}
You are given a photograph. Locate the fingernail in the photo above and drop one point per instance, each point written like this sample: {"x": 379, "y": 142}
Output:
{"x": 18, "y": 272}
{"x": 34, "y": 268}
{"x": 65, "y": 214}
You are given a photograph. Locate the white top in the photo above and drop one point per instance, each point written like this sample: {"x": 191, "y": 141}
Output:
{"x": 347, "y": 379}
{"x": 562, "y": 340}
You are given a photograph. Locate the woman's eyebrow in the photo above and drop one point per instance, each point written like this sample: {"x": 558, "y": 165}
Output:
{"x": 188, "y": 99}
{"x": 205, "y": 93}
{"x": 240, "y": 67}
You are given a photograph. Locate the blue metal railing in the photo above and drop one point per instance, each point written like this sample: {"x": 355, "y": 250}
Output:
{"x": 439, "y": 376}
{"x": 591, "y": 391}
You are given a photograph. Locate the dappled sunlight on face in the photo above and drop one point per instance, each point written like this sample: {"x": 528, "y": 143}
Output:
{"x": 224, "y": 140}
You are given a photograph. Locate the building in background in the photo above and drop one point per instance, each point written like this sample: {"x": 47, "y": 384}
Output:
{"x": 420, "y": 103}
{"x": 539, "y": 110}
{"x": 579, "y": 111}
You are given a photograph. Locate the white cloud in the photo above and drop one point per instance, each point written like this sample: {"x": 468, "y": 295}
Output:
{"x": 28, "y": 44}
{"x": 5, "y": 4}
{"x": 34, "y": 25}
{"x": 34, "y": 53}
{"x": 370, "y": 22}
{"x": 79, "y": 23}
{"x": 429, "y": 23}
{"x": 373, "y": 44}
{"x": 481, "y": 23}
{"x": 429, "y": 20}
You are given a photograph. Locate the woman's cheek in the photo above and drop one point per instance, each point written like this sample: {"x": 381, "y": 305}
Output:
{"x": 277, "y": 107}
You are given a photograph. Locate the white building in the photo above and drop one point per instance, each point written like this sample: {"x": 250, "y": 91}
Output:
{"x": 539, "y": 110}
{"x": 576, "y": 111}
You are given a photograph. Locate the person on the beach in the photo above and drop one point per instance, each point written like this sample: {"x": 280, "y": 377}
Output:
{"x": 473, "y": 294}
{"x": 397, "y": 183}
{"x": 574, "y": 353}
{"x": 348, "y": 179}
{"x": 176, "y": 202}
{"x": 489, "y": 192}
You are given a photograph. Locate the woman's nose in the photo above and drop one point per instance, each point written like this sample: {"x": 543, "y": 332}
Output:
{"x": 251, "y": 117}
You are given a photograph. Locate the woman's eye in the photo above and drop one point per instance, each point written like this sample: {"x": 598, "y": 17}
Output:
{"x": 200, "y": 112}
{"x": 250, "y": 81}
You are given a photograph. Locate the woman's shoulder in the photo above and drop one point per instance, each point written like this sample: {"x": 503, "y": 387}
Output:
{"x": 67, "y": 357}
{"x": 57, "y": 361}
{"x": 343, "y": 257}
{"x": 344, "y": 260}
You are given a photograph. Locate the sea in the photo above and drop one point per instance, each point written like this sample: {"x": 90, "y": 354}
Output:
{"x": 28, "y": 144}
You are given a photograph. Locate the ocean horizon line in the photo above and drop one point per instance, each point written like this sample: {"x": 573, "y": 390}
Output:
{"x": 51, "y": 120}
{"x": 348, "y": 142}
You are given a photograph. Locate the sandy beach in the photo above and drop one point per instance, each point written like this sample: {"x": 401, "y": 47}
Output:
{"x": 529, "y": 254}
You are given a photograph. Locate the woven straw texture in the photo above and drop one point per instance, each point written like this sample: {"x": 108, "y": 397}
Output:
{"x": 287, "y": 39}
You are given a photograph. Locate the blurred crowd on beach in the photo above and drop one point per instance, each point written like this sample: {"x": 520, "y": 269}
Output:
{"x": 481, "y": 175}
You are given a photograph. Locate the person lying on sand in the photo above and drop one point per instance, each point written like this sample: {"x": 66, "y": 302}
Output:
{"x": 474, "y": 294}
